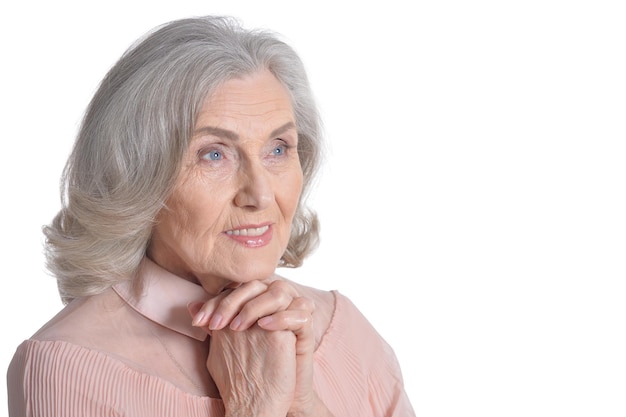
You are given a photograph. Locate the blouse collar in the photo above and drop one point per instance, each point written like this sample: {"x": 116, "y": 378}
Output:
{"x": 164, "y": 298}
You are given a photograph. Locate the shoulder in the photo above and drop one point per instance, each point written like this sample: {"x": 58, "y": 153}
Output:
{"x": 351, "y": 328}
{"x": 353, "y": 345}
{"x": 356, "y": 369}
{"x": 48, "y": 358}
{"x": 337, "y": 320}
{"x": 102, "y": 322}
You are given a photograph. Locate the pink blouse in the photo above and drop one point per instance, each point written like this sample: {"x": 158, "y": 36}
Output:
{"x": 356, "y": 371}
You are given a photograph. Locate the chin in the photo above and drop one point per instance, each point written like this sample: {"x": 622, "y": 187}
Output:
{"x": 254, "y": 271}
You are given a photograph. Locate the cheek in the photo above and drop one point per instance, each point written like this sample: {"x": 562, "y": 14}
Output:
{"x": 171, "y": 223}
{"x": 290, "y": 190}
{"x": 197, "y": 201}
{"x": 188, "y": 214}
{"x": 197, "y": 217}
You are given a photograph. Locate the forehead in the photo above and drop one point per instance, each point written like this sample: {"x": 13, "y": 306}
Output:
{"x": 258, "y": 97}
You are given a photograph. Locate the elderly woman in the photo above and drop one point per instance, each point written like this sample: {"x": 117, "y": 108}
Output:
{"x": 184, "y": 191}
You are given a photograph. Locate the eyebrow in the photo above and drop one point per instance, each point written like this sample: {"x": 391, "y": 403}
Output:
{"x": 229, "y": 134}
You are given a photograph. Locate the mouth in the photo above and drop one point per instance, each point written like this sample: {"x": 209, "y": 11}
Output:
{"x": 252, "y": 231}
{"x": 252, "y": 236}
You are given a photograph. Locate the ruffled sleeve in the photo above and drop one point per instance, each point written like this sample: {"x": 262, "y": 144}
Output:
{"x": 357, "y": 372}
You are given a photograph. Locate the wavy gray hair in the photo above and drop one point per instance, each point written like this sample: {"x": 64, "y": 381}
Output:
{"x": 133, "y": 137}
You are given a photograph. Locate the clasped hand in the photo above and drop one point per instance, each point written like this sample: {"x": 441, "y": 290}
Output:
{"x": 261, "y": 352}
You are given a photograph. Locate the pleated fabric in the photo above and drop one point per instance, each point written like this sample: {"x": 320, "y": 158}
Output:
{"x": 356, "y": 374}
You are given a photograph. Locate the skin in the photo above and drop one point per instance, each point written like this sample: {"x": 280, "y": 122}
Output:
{"x": 242, "y": 171}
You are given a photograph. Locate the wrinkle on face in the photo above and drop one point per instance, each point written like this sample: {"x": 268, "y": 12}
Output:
{"x": 245, "y": 120}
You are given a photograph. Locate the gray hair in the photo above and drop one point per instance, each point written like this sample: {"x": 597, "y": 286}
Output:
{"x": 133, "y": 137}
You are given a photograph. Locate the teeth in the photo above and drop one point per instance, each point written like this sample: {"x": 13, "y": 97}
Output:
{"x": 248, "y": 232}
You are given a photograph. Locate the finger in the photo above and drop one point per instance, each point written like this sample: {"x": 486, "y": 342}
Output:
{"x": 193, "y": 308}
{"x": 230, "y": 305}
{"x": 292, "y": 320}
{"x": 302, "y": 303}
{"x": 202, "y": 313}
{"x": 299, "y": 313}
{"x": 279, "y": 296}
{"x": 297, "y": 321}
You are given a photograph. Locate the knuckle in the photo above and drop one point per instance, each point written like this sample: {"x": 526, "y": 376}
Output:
{"x": 247, "y": 310}
{"x": 259, "y": 285}
{"x": 281, "y": 296}
{"x": 226, "y": 303}
{"x": 280, "y": 285}
{"x": 303, "y": 303}
{"x": 282, "y": 291}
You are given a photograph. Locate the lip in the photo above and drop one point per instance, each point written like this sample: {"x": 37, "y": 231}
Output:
{"x": 251, "y": 236}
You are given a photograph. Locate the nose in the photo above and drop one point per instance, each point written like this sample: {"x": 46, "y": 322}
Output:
{"x": 254, "y": 187}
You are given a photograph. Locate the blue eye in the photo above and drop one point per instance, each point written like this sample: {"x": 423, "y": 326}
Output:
{"x": 279, "y": 150}
{"x": 213, "y": 155}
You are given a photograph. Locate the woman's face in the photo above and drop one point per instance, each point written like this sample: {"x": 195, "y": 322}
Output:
{"x": 229, "y": 217}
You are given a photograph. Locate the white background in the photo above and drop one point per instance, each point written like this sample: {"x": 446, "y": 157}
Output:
{"x": 473, "y": 201}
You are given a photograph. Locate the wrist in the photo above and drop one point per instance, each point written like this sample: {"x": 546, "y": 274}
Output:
{"x": 316, "y": 408}
{"x": 256, "y": 410}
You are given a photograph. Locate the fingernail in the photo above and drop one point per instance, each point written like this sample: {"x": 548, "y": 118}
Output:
{"x": 264, "y": 321}
{"x": 198, "y": 319}
{"x": 235, "y": 323}
{"x": 215, "y": 322}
